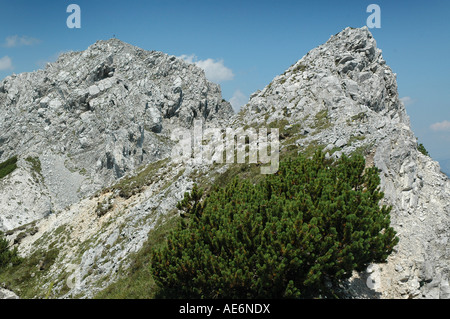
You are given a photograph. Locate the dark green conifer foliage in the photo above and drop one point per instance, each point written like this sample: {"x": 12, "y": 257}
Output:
{"x": 8, "y": 166}
{"x": 309, "y": 225}
{"x": 422, "y": 149}
{"x": 8, "y": 256}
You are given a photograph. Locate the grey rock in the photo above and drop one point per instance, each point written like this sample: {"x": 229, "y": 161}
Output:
{"x": 445, "y": 290}
{"x": 427, "y": 272}
{"x": 7, "y": 294}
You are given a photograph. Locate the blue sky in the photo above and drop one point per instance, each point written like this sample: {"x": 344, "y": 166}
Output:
{"x": 244, "y": 44}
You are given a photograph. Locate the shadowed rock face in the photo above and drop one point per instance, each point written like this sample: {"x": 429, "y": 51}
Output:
{"x": 95, "y": 115}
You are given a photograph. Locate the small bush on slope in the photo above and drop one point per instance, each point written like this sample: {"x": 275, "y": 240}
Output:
{"x": 290, "y": 236}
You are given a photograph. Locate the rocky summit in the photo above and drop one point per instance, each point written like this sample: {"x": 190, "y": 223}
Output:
{"x": 91, "y": 117}
{"x": 95, "y": 176}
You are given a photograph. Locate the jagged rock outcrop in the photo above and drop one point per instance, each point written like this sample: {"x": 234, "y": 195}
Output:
{"x": 93, "y": 116}
{"x": 341, "y": 96}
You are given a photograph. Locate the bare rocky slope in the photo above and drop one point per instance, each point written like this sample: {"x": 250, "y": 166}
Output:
{"x": 100, "y": 121}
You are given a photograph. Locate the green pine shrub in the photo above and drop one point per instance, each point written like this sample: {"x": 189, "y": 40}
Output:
{"x": 296, "y": 234}
{"x": 421, "y": 148}
{"x": 8, "y": 256}
{"x": 8, "y": 166}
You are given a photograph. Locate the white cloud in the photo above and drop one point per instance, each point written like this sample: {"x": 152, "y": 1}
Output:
{"x": 6, "y": 63}
{"x": 215, "y": 70}
{"x": 16, "y": 41}
{"x": 443, "y": 126}
{"x": 407, "y": 100}
{"x": 238, "y": 100}
{"x": 188, "y": 58}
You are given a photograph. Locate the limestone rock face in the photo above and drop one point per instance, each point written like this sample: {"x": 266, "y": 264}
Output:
{"x": 22, "y": 191}
{"x": 93, "y": 116}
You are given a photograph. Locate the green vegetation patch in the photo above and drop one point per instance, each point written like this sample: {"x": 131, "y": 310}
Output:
{"x": 27, "y": 278}
{"x": 36, "y": 168}
{"x": 421, "y": 148}
{"x": 299, "y": 68}
{"x": 8, "y": 257}
{"x": 137, "y": 281}
{"x": 357, "y": 207}
{"x": 321, "y": 121}
{"x": 296, "y": 234}
{"x": 129, "y": 186}
{"x": 8, "y": 166}
{"x": 359, "y": 117}
{"x": 355, "y": 138}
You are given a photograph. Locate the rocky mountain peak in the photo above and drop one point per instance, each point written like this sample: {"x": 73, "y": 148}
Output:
{"x": 92, "y": 116}
{"x": 351, "y": 68}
